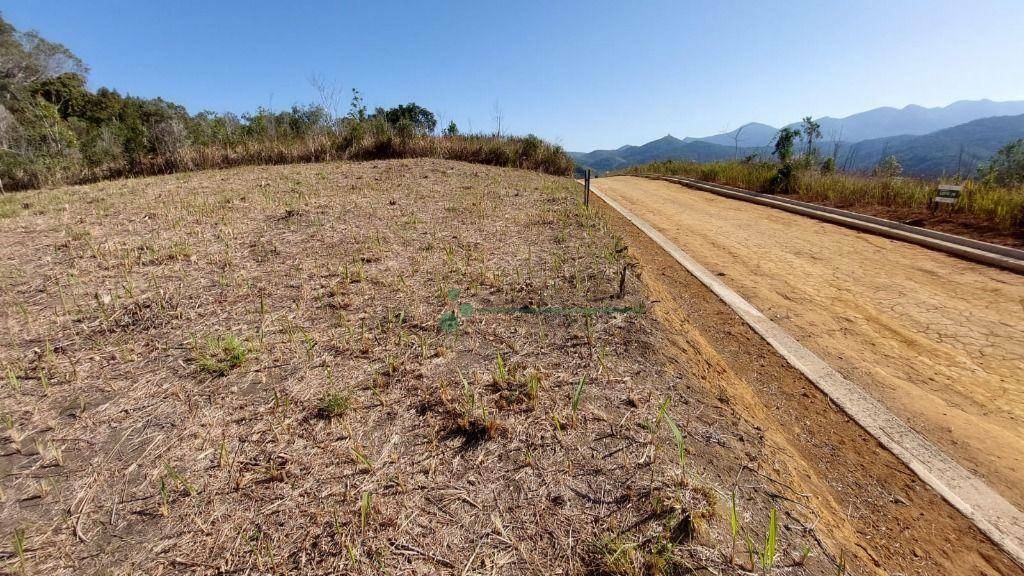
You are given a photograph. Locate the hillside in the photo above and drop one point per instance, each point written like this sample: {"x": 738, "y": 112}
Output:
{"x": 343, "y": 368}
{"x": 751, "y": 135}
{"x": 942, "y": 152}
{"x": 666, "y": 148}
{"x": 55, "y": 129}
{"x": 414, "y": 366}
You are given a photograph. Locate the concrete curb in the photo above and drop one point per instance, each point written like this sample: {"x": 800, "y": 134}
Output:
{"x": 989, "y": 511}
{"x": 966, "y": 248}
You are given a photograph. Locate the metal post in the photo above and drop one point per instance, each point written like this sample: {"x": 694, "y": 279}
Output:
{"x": 586, "y": 189}
{"x": 622, "y": 281}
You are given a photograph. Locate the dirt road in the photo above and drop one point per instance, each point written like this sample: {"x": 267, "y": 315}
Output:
{"x": 939, "y": 340}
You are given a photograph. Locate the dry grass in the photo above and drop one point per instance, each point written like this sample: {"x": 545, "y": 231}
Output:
{"x": 980, "y": 207}
{"x": 366, "y": 141}
{"x": 243, "y": 371}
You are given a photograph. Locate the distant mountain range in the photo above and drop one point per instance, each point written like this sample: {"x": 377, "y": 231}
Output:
{"x": 927, "y": 141}
{"x": 960, "y": 148}
{"x": 753, "y": 134}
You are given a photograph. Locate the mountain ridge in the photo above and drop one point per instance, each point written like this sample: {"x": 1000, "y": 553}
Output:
{"x": 888, "y": 126}
{"x": 881, "y": 122}
{"x": 911, "y": 120}
{"x": 960, "y": 148}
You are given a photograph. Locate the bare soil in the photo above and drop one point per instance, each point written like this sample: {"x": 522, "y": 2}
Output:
{"x": 259, "y": 370}
{"x": 939, "y": 340}
{"x": 866, "y": 503}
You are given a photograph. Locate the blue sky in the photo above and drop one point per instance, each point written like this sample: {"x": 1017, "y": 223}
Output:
{"x": 583, "y": 74}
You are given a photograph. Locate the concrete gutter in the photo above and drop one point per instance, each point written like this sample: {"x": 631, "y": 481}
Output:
{"x": 966, "y": 248}
{"x": 991, "y": 513}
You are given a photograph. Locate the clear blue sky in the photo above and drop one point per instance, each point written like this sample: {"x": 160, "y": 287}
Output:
{"x": 583, "y": 74}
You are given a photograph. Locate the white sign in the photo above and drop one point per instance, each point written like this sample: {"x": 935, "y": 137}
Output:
{"x": 948, "y": 194}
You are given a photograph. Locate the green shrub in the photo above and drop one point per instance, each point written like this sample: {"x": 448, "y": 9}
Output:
{"x": 218, "y": 355}
{"x": 333, "y": 405}
{"x": 1007, "y": 167}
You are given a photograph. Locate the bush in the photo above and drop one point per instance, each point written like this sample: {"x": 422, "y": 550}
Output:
{"x": 1007, "y": 167}
{"x": 784, "y": 181}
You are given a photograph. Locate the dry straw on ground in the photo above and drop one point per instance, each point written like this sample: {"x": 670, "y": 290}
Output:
{"x": 246, "y": 371}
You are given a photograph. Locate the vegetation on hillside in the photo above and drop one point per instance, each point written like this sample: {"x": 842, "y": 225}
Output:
{"x": 54, "y": 130}
{"x": 994, "y": 199}
{"x": 1006, "y": 167}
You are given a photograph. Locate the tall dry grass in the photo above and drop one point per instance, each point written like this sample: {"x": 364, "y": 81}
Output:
{"x": 356, "y": 143}
{"x": 1001, "y": 208}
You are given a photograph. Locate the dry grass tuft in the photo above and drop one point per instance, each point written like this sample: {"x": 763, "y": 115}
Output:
{"x": 218, "y": 355}
{"x": 333, "y": 405}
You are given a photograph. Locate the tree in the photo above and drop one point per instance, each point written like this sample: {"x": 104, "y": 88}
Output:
{"x": 27, "y": 57}
{"x": 8, "y": 129}
{"x": 784, "y": 180}
{"x": 837, "y": 142}
{"x": 1006, "y": 168}
{"x": 498, "y": 115}
{"x": 812, "y": 131}
{"x": 67, "y": 92}
{"x": 451, "y": 130}
{"x": 422, "y": 121}
{"x": 357, "y": 110}
{"x": 890, "y": 167}
{"x": 736, "y": 142}
{"x": 784, "y": 141}
{"x": 329, "y": 94}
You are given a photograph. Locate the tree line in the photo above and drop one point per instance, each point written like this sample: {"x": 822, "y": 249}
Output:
{"x": 54, "y": 130}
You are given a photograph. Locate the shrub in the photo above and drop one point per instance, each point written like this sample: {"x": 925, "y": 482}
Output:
{"x": 219, "y": 354}
{"x": 784, "y": 181}
{"x": 889, "y": 168}
{"x": 333, "y": 405}
{"x": 411, "y": 117}
{"x": 1007, "y": 167}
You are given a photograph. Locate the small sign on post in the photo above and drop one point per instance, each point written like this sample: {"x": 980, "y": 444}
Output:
{"x": 947, "y": 194}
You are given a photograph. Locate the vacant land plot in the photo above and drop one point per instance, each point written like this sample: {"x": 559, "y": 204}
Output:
{"x": 396, "y": 367}
{"x": 288, "y": 369}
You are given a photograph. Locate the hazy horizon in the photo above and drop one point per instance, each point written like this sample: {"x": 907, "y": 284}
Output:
{"x": 584, "y": 75}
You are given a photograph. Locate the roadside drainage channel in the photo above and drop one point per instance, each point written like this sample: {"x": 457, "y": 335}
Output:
{"x": 991, "y": 254}
{"x": 983, "y": 506}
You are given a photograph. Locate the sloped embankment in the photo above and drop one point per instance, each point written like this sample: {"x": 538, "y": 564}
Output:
{"x": 863, "y": 500}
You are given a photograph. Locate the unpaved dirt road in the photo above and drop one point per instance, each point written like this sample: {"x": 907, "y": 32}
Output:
{"x": 939, "y": 340}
